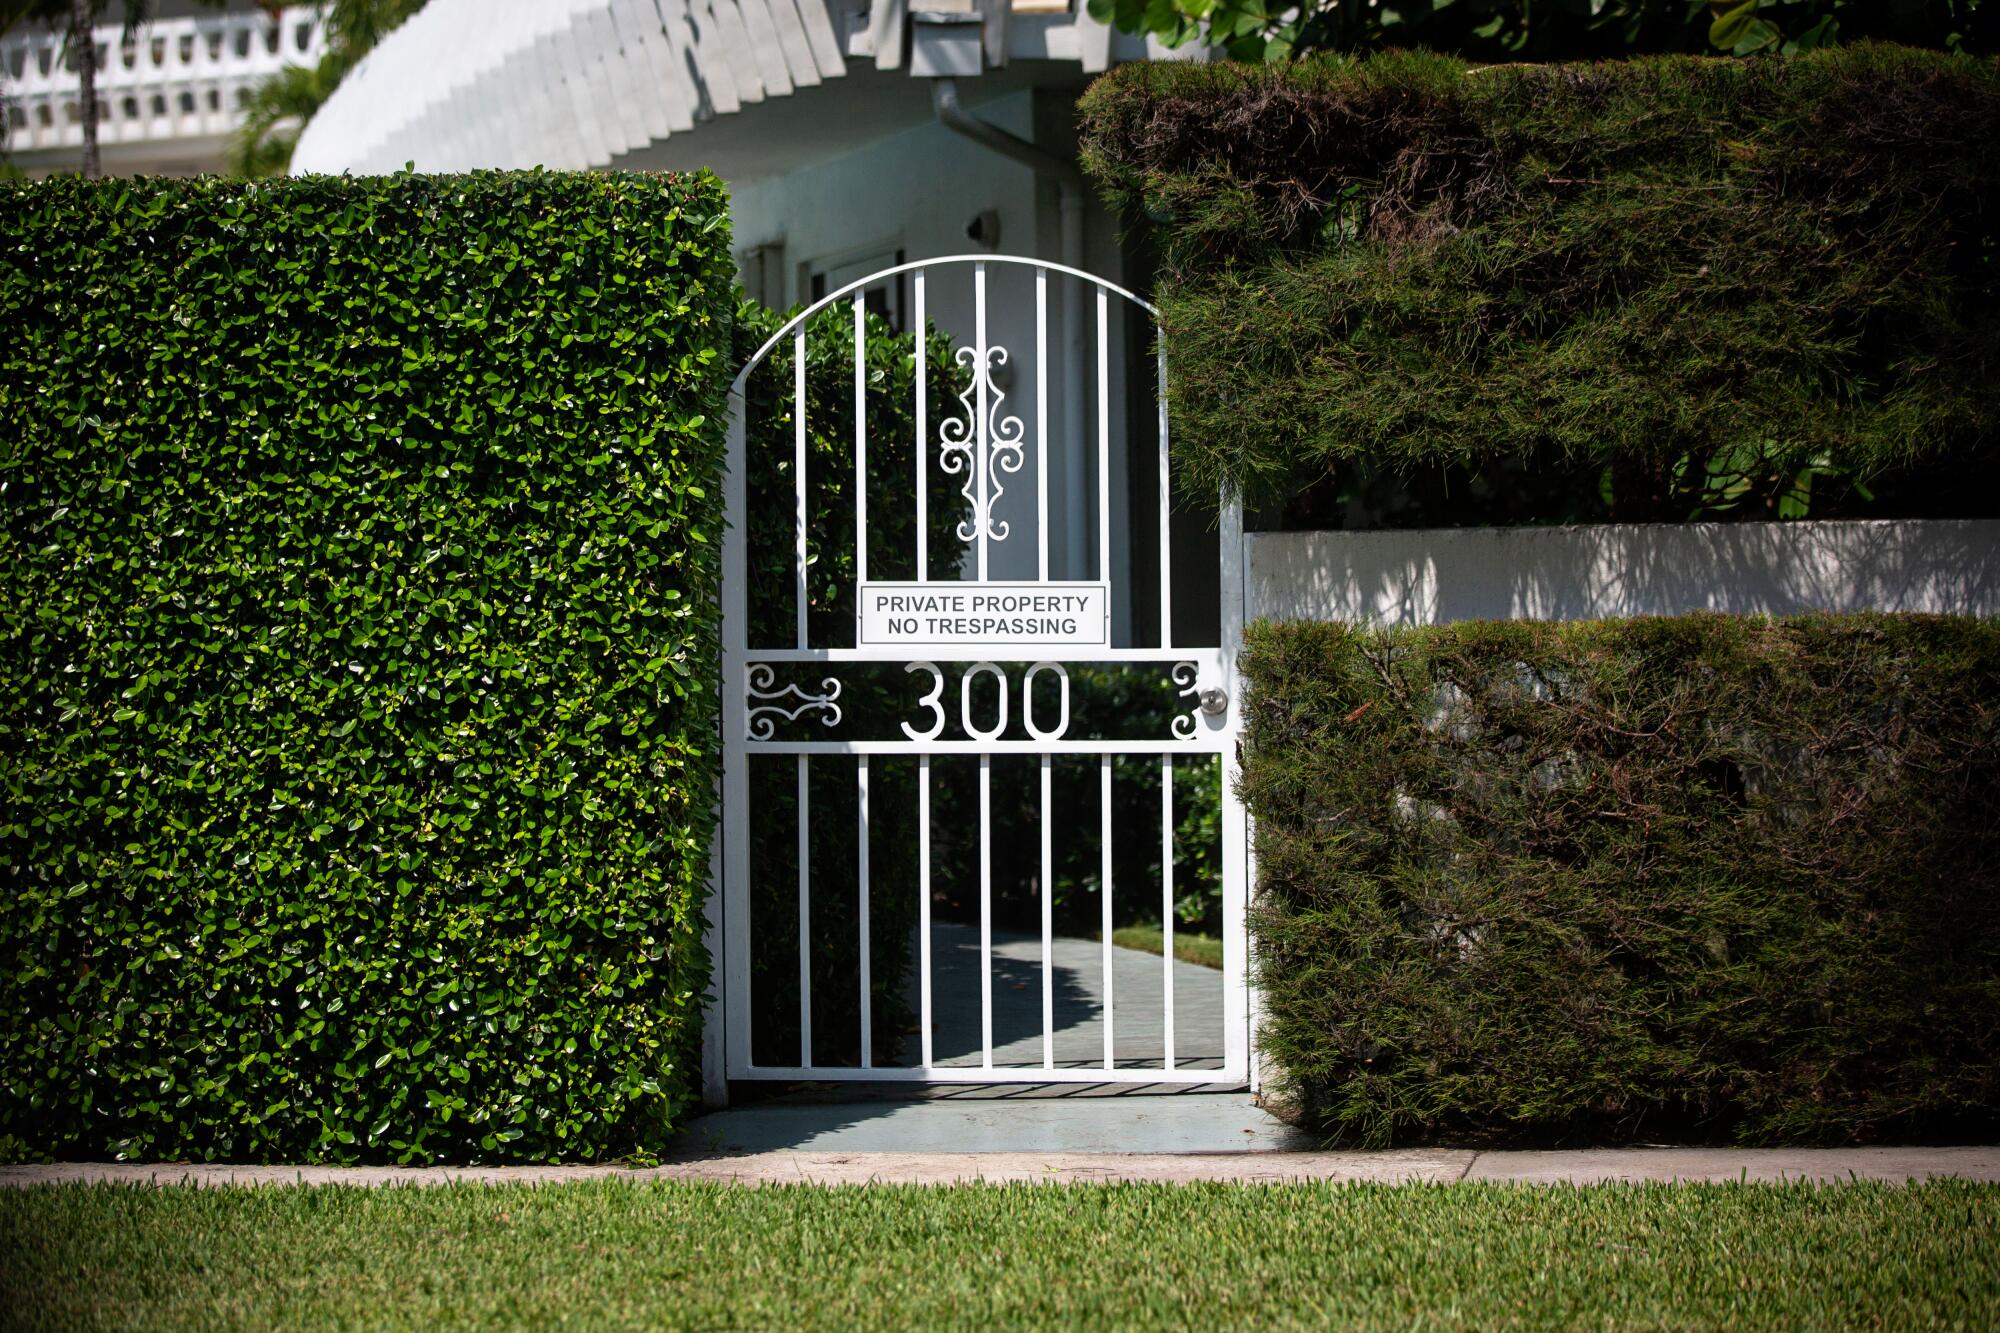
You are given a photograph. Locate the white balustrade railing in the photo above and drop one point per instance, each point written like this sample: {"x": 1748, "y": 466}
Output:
{"x": 172, "y": 78}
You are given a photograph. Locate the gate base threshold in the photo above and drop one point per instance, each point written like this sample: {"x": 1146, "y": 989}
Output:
{"x": 989, "y": 1119}
{"x": 746, "y": 1093}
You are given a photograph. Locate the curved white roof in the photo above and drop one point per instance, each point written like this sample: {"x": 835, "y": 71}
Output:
{"x": 573, "y": 84}
{"x": 560, "y": 83}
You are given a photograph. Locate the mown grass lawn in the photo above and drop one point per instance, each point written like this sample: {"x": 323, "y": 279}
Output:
{"x": 1189, "y": 946}
{"x": 617, "y": 1253}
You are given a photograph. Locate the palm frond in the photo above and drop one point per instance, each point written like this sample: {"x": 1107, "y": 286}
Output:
{"x": 279, "y": 107}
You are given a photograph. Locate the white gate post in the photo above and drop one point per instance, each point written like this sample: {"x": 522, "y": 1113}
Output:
{"x": 1235, "y": 834}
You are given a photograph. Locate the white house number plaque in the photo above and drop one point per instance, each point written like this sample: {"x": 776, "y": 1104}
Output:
{"x": 985, "y": 615}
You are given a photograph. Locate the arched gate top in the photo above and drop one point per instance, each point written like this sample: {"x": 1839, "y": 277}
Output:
{"x": 1049, "y": 266}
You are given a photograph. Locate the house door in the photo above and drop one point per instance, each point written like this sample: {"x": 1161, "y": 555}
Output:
{"x": 978, "y": 760}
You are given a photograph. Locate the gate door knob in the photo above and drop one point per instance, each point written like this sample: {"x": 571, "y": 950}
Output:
{"x": 1214, "y": 701}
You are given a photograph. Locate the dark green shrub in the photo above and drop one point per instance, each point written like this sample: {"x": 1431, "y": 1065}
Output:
{"x": 1493, "y": 30}
{"x": 359, "y": 645}
{"x": 1401, "y": 290}
{"x": 1700, "y": 875}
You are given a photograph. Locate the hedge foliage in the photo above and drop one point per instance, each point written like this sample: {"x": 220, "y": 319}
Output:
{"x": 1495, "y": 30}
{"x": 358, "y": 662}
{"x": 1702, "y": 875}
{"x": 1680, "y": 282}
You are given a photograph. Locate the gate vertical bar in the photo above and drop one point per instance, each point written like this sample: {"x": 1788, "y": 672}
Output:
{"x": 860, "y": 454}
{"x": 1238, "y": 1004}
{"x": 861, "y": 880}
{"x": 805, "y": 924}
{"x": 1167, "y": 903}
{"x": 1166, "y": 512}
{"x": 1048, "y": 929}
{"x": 924, "y": 904}
{"x": 985, "y": 911}
{"x": 1042, "y": 420}
{"x": 1104, "y": 895}
{"x": 982, "y": 519}
{"x": 1075, "y": 549}
{"x": 1103, "y": 437}
{"x": 922, "y": 353}
{"x": 799, "y": 475}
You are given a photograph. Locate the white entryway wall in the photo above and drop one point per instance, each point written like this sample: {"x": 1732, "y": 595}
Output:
{"x": 1439, "y": 575}
{"x": 912, "y": 196}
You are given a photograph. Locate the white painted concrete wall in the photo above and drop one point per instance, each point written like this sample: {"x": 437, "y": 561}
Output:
{"x": 1434, "y": 576}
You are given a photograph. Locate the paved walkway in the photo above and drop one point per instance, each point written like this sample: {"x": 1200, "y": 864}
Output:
{"x": 1138, "y": 1002}
{"x": 1583, "y": 1167}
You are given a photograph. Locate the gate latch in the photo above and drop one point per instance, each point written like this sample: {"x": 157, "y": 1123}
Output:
{"x": 1214, "y": 701}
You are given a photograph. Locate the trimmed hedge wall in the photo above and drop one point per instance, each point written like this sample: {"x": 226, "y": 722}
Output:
{"x": 1624, "y": 290}
{"x": 1694, "y": 876}
{"x": 359, "y": 645}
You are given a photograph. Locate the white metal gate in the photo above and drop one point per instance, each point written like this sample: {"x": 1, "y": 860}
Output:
{"x": 1016, "y": 637}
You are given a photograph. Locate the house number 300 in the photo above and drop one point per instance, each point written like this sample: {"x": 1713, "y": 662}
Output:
{"x": 934, "y": 702}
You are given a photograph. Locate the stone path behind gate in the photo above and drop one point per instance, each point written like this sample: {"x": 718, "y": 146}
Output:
{"x": 1138, "y": 992}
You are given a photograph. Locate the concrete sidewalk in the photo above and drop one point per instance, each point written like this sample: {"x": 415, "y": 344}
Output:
{"x": 1071, "y": 1119}
{"x": 1592, "y": 1166}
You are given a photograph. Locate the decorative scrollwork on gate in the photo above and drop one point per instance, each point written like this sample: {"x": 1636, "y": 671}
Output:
{"x": 1188, "y": 676}
{"x": 764, "y": 718}
{"x": 1004, "y": 440}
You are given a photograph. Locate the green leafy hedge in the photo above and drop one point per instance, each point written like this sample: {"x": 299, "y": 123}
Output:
{"x": 1404, "y": 290}
{"x": 1692, "y": 876}
{"x": 358, "y": 721}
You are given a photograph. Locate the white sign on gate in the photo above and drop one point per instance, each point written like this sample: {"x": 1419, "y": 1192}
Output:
{"x": 988, "y": 616}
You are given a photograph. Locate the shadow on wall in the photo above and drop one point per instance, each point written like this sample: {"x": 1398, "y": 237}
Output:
{"x": 1435, "y": 576}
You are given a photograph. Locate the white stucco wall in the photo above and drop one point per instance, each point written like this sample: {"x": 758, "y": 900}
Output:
{"x": 1434, "y": 576}
{"x": 915, "y": 190}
